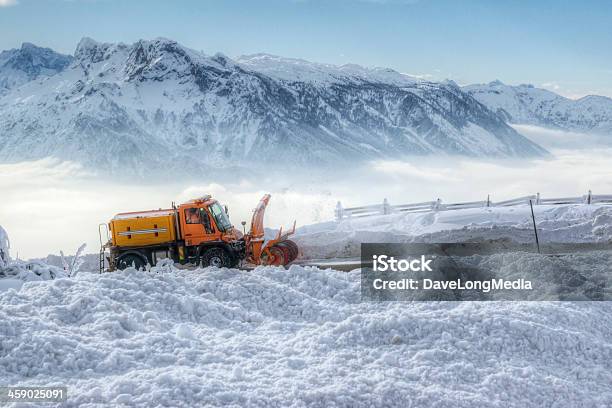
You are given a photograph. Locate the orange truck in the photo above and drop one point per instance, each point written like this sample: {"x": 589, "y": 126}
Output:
{"x": 198, "y": 232}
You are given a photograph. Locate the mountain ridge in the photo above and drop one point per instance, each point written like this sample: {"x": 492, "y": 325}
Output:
{"x": 527, "y": 104}
{"x": 157, "y": 103}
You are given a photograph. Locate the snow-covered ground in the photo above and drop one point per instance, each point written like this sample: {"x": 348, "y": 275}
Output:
{"x": 297, "y": 337}
{"x": 556, "y": 224}
{"x": 4, "y": 247}
{"x": 302, "y": 337}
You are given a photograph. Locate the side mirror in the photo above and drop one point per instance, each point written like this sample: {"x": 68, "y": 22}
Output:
{"x": 226, "y": 210}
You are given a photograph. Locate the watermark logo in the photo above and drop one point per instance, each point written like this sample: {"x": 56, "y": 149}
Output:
{"x": 384, "y": 263}
{"x": 471, "y": 272}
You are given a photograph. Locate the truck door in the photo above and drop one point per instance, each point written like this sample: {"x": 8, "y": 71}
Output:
{"x": 197, "y": 225}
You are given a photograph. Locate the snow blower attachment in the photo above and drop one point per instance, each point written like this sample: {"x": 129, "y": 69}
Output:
{"x": 278, "y": 251}
{"x": 198, "y": 232}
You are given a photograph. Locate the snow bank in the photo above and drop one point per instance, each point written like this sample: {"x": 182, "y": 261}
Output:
{"x": 4, "y": 247}
{"x": 20, "y": 271}
{"x": 90, "y": 262}
{"x": 556, "y": 224}
{"x": 294, "y": 338}
{"x": 14, "y": 272}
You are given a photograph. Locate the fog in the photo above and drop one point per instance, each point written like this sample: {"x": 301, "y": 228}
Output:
{"x": 47, "y": 206}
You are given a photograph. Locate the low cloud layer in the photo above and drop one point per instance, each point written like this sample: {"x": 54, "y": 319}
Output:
{"x": 48, "y": 206}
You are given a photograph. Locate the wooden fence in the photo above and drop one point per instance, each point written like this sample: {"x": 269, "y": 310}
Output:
{"x": 438, "y": 205}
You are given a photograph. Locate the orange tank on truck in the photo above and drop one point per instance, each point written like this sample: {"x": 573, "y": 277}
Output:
{"x": 198, "y": 232}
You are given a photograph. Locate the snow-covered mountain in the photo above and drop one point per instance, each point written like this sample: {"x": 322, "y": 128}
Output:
{"x": 156, "y": 103}
{"x": 29, "y": 62}
{"x": 526, "y": 104}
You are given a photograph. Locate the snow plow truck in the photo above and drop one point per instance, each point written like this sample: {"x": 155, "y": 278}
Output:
{"x": 197, "y": 232}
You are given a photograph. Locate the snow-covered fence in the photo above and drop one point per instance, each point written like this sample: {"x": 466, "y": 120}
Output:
{"x": 437, "y": 205}
{"x": 469, "y": 204}
{"x": 601, "y": 199}
{"x": 362, "y": 211}
{"x": 516, "y": 201}
{"x": 415, "y": 207}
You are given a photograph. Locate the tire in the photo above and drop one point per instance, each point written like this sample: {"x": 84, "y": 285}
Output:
{"x": 131, "y": 259}
{"x": 218, "y": 257}
{"x": 235, "y": 262}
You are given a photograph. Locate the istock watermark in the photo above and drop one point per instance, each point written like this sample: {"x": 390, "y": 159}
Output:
{"x": 384, "y": 263}
{"x": 476, "y": 272}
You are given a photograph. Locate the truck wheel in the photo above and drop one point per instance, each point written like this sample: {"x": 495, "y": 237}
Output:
{"x": 235, "y": 262}
{"x": 129, "y": 260}
{"x": 216, "y": 257}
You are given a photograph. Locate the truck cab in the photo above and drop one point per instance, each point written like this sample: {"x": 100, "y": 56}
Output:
{"x": 203, "y": 220}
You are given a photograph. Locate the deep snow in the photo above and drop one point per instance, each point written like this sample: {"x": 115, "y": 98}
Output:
{"x": 302, "y": 336}
{"x": 297, "y": 337}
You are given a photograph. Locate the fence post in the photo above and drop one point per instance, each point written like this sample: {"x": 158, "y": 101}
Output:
{"x": 339, "y": 211}
{"x": 589, "y": 198}
{"x": 488, "y": 200}
{"x": 537, "y": 201}
{"x": 386, "y": 208}
{"x": 535, "y": 229}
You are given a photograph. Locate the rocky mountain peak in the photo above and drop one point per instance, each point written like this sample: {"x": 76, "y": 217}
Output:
{"x": 29, "y": 62}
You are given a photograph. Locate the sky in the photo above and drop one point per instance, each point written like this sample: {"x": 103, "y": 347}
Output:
{"x": 560, "y": 45}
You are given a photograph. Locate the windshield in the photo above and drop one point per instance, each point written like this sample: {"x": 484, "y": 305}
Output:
{"x": 221, "y": 218}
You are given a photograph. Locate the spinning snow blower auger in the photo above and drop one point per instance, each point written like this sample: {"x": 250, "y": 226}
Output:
{"x": 278, "y": 251}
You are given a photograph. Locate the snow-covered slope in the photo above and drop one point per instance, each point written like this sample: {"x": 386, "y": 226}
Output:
{"x": 299, "y": 338}
{"x": 557, "y": 224}
{"x": 18, "y": 66}
{"x": 157, "y": 103}
{"x": 525, "y": 104}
